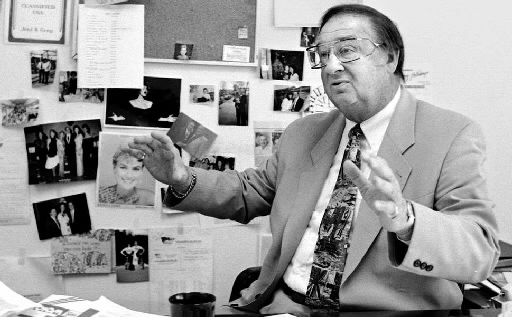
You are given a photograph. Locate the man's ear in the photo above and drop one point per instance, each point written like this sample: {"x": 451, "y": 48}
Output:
{"x": 393, "y": 60}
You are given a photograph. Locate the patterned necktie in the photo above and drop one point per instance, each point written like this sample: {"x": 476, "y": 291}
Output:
{"x": 333, "y": 235}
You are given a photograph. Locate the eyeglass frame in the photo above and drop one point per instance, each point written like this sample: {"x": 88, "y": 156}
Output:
{"x": 311, "y": 49}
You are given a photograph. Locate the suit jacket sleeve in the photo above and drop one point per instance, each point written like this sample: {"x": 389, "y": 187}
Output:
{"x": 239, "y": 196}
{"x": 457, "y": 239}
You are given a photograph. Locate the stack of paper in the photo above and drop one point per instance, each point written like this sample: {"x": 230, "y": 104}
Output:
{"x": 12, "y": 303}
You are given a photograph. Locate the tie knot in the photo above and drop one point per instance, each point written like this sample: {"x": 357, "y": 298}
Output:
{"x": 356, "y": 132}
{"x": 353, "y": 149}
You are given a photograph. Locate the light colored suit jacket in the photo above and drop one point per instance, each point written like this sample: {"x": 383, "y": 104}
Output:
{"x": 436, "y": 155}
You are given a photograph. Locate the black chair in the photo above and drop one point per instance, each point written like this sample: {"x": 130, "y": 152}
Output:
{"x": 243, "y": 280}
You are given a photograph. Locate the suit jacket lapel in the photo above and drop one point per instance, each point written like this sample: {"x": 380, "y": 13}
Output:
{"x": 399, "y": 137}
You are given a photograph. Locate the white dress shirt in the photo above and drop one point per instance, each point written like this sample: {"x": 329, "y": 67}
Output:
{"x": 297, "y": 274}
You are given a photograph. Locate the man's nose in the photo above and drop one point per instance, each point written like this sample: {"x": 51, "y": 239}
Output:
{"x": 333, "y": 64}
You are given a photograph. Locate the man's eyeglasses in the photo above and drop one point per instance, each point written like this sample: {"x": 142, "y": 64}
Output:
{"x": 346, "y": 50}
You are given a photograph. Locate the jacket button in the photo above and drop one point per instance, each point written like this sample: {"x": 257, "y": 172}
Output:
{"x": 423, "y": 265}
{"x": 417, "y": 263}
{"x": 429, "y": 268}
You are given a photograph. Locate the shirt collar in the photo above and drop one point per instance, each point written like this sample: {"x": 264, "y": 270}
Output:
{"x": 375, "y": 127}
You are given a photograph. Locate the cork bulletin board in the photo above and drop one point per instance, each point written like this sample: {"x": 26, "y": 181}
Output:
{"x": 207, "y": 25}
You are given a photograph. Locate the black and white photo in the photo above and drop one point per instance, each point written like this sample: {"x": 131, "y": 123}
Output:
{"x": 19, "y": 111}
{"x": 308, "y": 35}
{"x": 62, "y": 151}
{"x": 234, "y": 103}
{"x": 214, "y": 162}
{"x": 131, "y": 256}
{"x": 191, "y": 136}
{"x": 122, "y": 178}
{"x": 183, "y": 51}
{"x": 202, "y": 94}
{"x": 291, "y": 98}
{"x": 155, "y": 105}
{"x": 43, "y": 64}
{"x": 287, "y": 65}
{"x": 62, "y": 216}
{"x": 69, "y": 91}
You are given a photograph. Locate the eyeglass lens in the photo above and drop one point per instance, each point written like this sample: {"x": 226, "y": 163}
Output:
{"x": 345, "y": 50}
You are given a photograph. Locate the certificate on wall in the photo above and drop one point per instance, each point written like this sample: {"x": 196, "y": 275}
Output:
{"x": 36, "y": 21}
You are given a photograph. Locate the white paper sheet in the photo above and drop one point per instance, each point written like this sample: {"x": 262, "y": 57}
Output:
{"x": 14, "y": 208}
{"x": 181, "y": 260}
{"x": 12, "y": 302}
{"x": 111, "y": 46}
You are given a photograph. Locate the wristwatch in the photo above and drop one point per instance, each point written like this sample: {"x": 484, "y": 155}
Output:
{"x": 406, "y": 236}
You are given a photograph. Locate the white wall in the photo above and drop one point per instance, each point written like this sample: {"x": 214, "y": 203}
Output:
{"x": 464, "y": 43}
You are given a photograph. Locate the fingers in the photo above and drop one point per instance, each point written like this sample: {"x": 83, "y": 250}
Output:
{"x": 377, "y": 165}
{"x": 148, "y": 144}
{"x": 356, "y": 176}
{"x": 163, "y": 140}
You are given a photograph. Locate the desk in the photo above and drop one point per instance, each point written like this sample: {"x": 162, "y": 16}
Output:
{"x": 231, "y": 312}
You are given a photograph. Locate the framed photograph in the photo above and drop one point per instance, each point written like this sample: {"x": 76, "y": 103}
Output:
{"x": 43, "y": 64}
{"x": 122, "y": 178}
{"x": 202, "y": 94}
{"x": 36, "y": 21}
{"x": 291, "y": 98}
{"x": 62, "y": 151}
{"x": 62, "y": 216}
{"x": 156, "y": 105}
{"x": 183, "y": 51}
{"x": 19, "y": 111}
{"x": 131, "y": 256}
{"x": 191, "y": 136}
{"x": 234, "y": 103}
{"x": 69, "y": 91}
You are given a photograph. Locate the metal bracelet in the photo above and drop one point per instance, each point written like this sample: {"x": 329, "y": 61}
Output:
{"x": 189, "y": 189}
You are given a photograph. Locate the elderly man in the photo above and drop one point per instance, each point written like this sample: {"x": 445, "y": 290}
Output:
{"x": 381, "y": 204}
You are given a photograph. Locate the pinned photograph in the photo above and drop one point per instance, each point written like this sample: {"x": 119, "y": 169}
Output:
{"x": 89, "y": 253}
{"x": 155, "y": 105}
{"x": 308, "y": 35}
{"x": 43, "y": 65}
{"x": 183, "y": 51}
{"x": 214, "y": 162}
{"x": 62, "y": 151}
{"x": 291, "y": 98}
{"x": 191, "y": 136}
{"x": 202, "y": 94}
{"x": 281, "y": 65}
{"x": 62, "y": 216}
{"x": 122, "y": 178}
{"x": 69, "y": 91}
{"x": 131, "y": 256}
{"x": 19, "y": 111}
{"x": 234, "y": 103}
{"x": 266, "y": 140}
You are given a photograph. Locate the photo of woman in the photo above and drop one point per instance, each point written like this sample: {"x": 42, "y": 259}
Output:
{"x": 123, "y": 180}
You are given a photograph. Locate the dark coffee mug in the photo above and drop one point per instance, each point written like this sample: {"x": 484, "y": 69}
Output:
{"x": 193, "y": 304}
